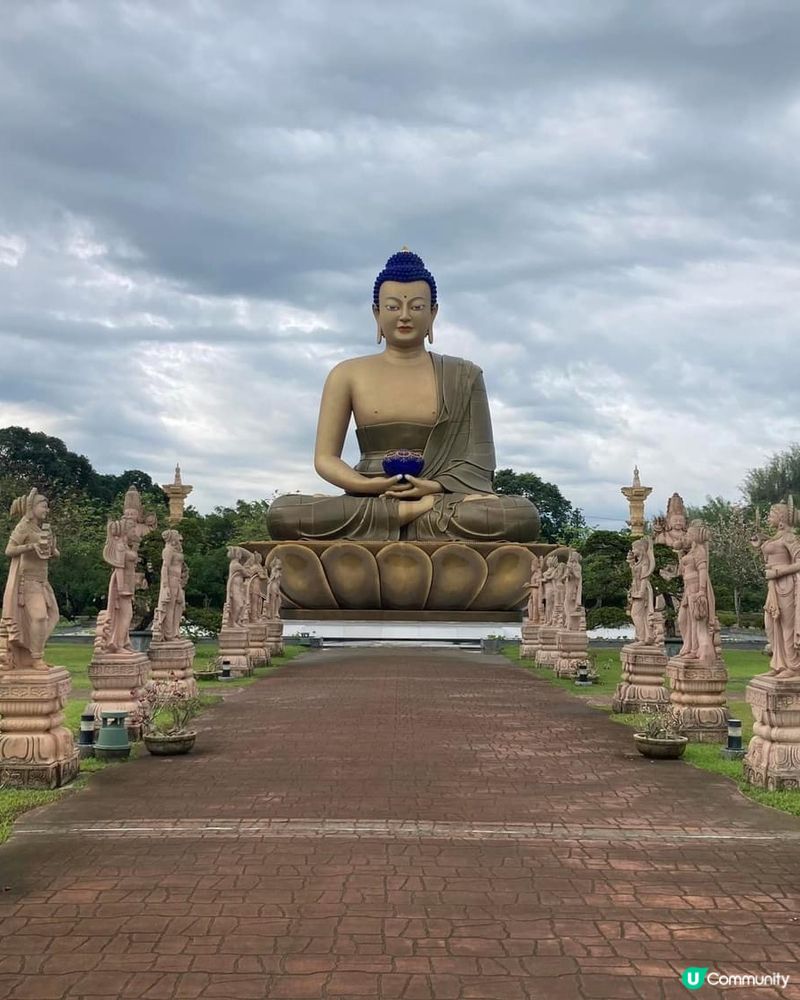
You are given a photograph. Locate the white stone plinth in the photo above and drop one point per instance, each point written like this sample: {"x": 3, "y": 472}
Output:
{"x": 530, "y": 641}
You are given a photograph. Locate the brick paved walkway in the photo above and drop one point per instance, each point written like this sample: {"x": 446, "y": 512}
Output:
{"x": 399, "y": 824}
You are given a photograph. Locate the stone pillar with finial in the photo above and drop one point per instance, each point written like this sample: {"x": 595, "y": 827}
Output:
{"x": 177, "y": 491}
{"x": 636, "y": 494}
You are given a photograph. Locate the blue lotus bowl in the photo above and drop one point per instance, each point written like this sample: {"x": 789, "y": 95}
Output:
{"x": 403, "y": 463}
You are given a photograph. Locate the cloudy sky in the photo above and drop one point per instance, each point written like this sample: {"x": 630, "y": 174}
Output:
{"x": 195, "y": 198}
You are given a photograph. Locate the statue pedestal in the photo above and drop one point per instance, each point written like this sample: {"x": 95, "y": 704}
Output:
{"x": 421, "y": 577}
{"x": 530, "y": 641}
{"x": 116, "y": 678}
{"x": 257, "y": 644}
{"x": 572, "y": 649}
{"x": 171, "y": 660}
{"x": 773, "y": 756}
{"x": 233, "y": 650}
{"x": 275, "y": 638}
{"x": 698, "y": 696}
{"x": 642, "y": 684}
{"x": 36, "y": 749}
{"x": 548, "y": 646}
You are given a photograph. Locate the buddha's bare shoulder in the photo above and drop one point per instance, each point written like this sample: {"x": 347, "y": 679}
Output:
{"x": 352, "y": 367}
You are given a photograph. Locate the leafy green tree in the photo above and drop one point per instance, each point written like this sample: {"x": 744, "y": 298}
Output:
{"x": 561, "y": 521}
{"x": 35, "y": 459}
{"x": 775, "y": 481}
{"x": 606, "y": 576}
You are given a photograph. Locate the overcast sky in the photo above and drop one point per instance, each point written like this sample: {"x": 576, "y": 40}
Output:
{"x": 195, "y": 198}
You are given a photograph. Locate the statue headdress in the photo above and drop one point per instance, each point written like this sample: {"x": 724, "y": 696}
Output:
{"x": 404, "y": 266}
{"x": 23, "y": 506}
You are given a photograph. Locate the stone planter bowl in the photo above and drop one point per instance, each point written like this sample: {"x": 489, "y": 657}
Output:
{"x": 169, "y": 746}
{"x": 669, "y": 748}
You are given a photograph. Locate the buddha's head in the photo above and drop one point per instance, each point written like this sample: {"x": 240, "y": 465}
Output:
{"x": 404, "y": 301}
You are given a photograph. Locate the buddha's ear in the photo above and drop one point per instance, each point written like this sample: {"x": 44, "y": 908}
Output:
{"x": 376, "y": 313}
{"x": 434, "y": 310}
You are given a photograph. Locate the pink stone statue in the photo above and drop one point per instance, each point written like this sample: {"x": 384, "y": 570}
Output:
{"x": 535, "y": 609}
{"x": 549, "y": 575}
{"x": 671, "y": 530}
{"x": 30, "y": 612}
{"x": 273, "y": 597}
{"x": 572, "y": 575}
{"x": 642, "y": 562}
{"x": 236, "y": 610}
{"x": 781, "y": 554}
{"x": 172, "y": 592}
{"x": 256, "y": 572}
{"x": 697, "y": 618}
{"x": 121, "y": 552}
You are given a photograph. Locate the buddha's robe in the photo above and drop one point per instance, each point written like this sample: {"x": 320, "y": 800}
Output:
{"x": 459, "y": 454}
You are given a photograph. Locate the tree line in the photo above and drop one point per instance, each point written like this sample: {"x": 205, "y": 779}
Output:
{"x": 82, "y": 500}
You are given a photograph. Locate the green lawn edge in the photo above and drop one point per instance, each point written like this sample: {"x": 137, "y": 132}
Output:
{"x": 75, "y": 657}
{"x": 742, "y": 666}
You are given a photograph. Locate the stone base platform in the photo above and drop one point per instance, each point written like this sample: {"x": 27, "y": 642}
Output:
{"x": 773, "y": 756}
{"x": 572, "y": 651}
{"x": 403, "y": 576}
{"x": 172, "y": 660}
{"x": 642, "y": 686}
{"x": 233, "y": 650}
{"x": 529, "y": 641}
{"x": 698, "y": 696}
{"x": 36, "y": 748}
{"x": 547, "y": 652}
{"x": 257, "y": 652}
{"x": 115, "y": 678}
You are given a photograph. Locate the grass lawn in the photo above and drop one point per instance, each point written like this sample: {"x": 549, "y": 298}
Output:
{"x": 742, "y": 666}
{"x": 14, "y": 802}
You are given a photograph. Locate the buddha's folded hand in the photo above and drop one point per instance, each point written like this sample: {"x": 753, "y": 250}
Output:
{"x": 415, "y": 489}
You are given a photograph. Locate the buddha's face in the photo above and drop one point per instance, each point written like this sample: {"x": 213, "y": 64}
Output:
{"x": 404, "y": 314}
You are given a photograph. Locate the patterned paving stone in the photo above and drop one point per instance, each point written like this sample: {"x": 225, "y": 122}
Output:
{"x": 399, "y": 824}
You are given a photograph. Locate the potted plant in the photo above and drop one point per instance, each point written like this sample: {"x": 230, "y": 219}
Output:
{"x": 164, "y": 712}
{"x": 660, "y": 735}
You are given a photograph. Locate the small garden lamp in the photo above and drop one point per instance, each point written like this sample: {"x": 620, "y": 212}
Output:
{"x": 86, "y": 735}
{"x": 112, "y": 740}
{"x": 582, "y": 678}
{"x": 734, "y": 750}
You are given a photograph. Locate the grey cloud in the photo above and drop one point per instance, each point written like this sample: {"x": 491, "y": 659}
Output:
{"x": 605, "y": 191}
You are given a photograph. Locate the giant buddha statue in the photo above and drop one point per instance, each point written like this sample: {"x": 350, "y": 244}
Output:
{"x": 406, "y": 397}
{"x": 440, "y": 540}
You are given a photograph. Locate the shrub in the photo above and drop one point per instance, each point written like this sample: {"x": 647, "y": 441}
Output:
{"x": 610, "y": 617}
{"x": 165, "y": 709}
{"x": 206, "y": 620}
{"x": 748, "y": 619}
